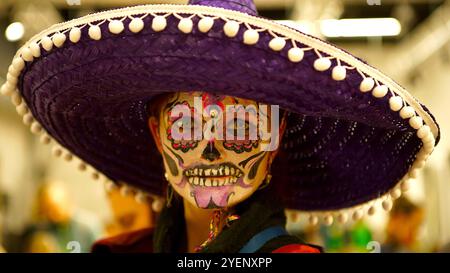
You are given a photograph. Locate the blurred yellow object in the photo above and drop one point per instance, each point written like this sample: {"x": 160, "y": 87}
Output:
{"x": 128, "y": 215}
{"x": 43, "y": 242}
{"x": 403, "y": 226}
{"x": 53, "y": 203}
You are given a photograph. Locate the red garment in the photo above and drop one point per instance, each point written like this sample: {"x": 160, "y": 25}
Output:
{"x": 296, "y": 248}
{"x": 141, "y": 241}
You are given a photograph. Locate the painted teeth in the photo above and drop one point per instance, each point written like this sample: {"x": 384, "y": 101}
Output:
{"x": 209, "y": 177}
{"x": 221, "y": 171}
{"x": 212, "y": 182}
{"x": 208, "y": 182}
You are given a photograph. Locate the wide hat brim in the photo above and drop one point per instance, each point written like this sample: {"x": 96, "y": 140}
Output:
{"x": 354, "y": 136}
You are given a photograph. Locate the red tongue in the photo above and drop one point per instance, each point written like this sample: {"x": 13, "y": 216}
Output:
{"x": 217, "y": 196}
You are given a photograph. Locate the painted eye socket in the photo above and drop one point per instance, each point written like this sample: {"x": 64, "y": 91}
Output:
{"x": 184, "y": 123}
{"x": 236, "y": 125}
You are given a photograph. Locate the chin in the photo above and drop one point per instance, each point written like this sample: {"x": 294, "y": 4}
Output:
{"x": 214, "y": 192}
{"x": 218, "y": 197}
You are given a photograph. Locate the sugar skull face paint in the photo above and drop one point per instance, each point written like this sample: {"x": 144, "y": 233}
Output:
{"x": 211, "y": 156}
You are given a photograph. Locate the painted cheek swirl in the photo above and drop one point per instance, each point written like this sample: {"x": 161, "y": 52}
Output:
{"x": 241, "y": 146}
{"x": 183, "y": 145}
{"x": 240, "y": 131}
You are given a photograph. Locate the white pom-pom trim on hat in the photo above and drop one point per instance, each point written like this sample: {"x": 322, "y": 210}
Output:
{"x": 95, "y": 175}
{"x": 116, "y": 26}
{"x": 35, "y": 49}
{"x": 396, "y": 193}
{"x": 157, "y": 205}
{"x": 136, "y": 25}
{"x": 387, "y": 204}
{"x": 22, "y": 109}
{"x": 125, "y": 190}
{"x": 371, "y": 211}
{"x": 423, "y": 131}
{"x": 18, "y": 63}
{"x": 110, "y": 186}
{"x": 185, "y": 25}
{"x": 277, "y": 43}
{"x": 396, "y": 103}
{"x": 205, "y": 24}
{"x": 366, "y": 84}
{"x": 357, "y": 214}
{"x": 13, "y": 71}
{"x": 380, "y": 91}
{"x": 384, "y": 203}
{"x": 29, "y": 52}
{"x": 58, "y": 39}
{"x": 27, "y": 55}
{"x": 328, "y": 220}
{"x": 7, "y": 89}
{"x": 47, "y": 43}
{"x": 95, "y": 33}
{"x": 16, "y": 99}
{"x": 251, "y": 37}
{"x": 75, "y": 34}
{"x": 82, "y": 166}
{"x": 295, "y": 54}
{"x": 416, "y": 122}
{"x": 159, "y": 23}
{"x": 45, "y": 139}
{"x": 231, "y": 28}
{"x": 35, "y": 127}
{"x": 57, "y": 151}
{"x": 68, "y": 156}
{"x": 339, "y": 73}
{"x": 407, "y": 112}
{"x": 141, "y": 197}
{"x": 313, "y": 220}
{"x": 27, "y": 119}
{"x": 342, "y": 217}
{"x": 322, "y": 64}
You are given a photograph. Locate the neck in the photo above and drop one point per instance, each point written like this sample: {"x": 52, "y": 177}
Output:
{"x": 197, "y": 224}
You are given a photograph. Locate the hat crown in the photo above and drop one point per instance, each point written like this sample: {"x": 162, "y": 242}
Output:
{"x": 246, "y": 6}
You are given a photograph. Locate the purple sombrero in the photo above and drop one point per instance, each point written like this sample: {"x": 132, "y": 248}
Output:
{"x": 354, "y": 136}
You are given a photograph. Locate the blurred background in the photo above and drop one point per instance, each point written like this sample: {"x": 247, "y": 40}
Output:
{"x": 48, "y": 205}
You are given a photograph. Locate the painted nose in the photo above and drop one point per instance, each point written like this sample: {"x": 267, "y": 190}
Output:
{"x": 210, "y": 152}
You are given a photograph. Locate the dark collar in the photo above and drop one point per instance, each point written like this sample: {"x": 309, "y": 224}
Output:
{"x": 257, "y": 213}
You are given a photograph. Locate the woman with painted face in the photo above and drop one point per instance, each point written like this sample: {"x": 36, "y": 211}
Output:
{"x": 179, "y": 105}
{"x": 218, "y": 170}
